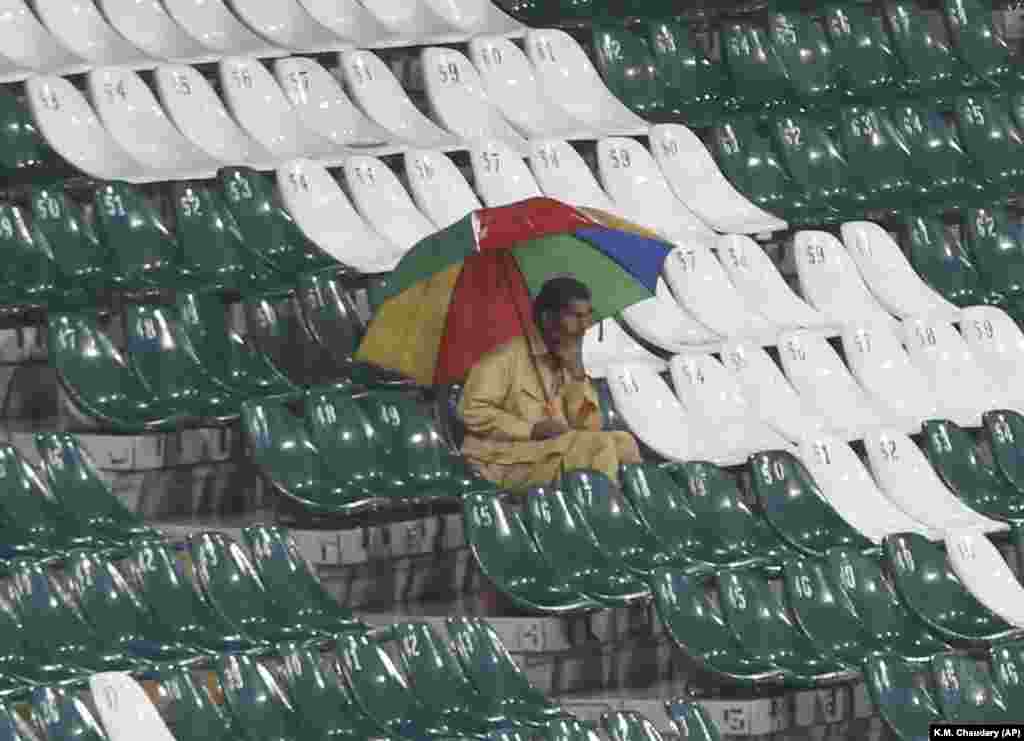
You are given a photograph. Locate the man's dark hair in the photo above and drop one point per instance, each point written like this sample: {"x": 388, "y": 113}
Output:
{"x": 556, "y": 294}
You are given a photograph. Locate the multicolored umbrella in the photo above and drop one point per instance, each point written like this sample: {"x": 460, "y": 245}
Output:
{"x": 467, "y": 289}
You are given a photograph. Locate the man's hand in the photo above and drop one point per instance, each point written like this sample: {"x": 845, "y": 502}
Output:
{"x": 549, "y": 428}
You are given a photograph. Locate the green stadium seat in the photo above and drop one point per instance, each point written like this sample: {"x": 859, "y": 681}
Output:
{"x": 879, "y": 607}
{"x": 341, "y": 429}
{"x": 940, "y": 258}
{"x": 384, "y": 694}
{"x": 714, "y": 496}
{"x": 292, "y": 583}
{"x": 902, "y": 696}
{"x": 256, "y": 700}
{"x": 861, "y": 51}
{"x": 816, "y": 164}
{"x": 119, "y": 617}
{"x": 274, "y": 324}
{"x": 63, "y": 716}
{"x": 997, "y": 245}
{"x": 162, "y": 356}
{"x": 19, "y": 669}
{"x": 571, "y": 551}
{"x": 234, "y": 590}
{"x": 629, "y": 725}
{"x": 569, "y": 729}
{"x": 795, "y": 507}
{"x": 1003, "y": 428}
{"x": 620, "y": 534}
{"x": 992, "y": 140}
{"x": 177, "y": 607}
{"x": 758, "y": 76}
{"x": 190, "y": 712}
{"x": 1008, "y": 670}
{"x": 82, "y": 258}
{"x": 213, "y": 249}
{"x": 55, "y": 632}
{"x": 145, "y": 252}
{"x": 330, "y": 314}
{"x": 930, "y": 67}
{"x": 978, "y": 484}
{"x": 494, "y": 672}
{"x": 692, "y": 721}
{"x": 927, "y": 585}
{"x": 223, "y": 354}
{"x": 509, "y": 558}
{"x": 758, "y": 618}
{"x": 879, "y": 161}
{"x": 966, "y": 693}
{"x": 696, "y": 626}
{"x": 825, "y": 614}
{"x": 322, "y": 701}
{"x": 23, "y": 151}
{"x": 628, "y": 68}
{"x": 692, "y": 84}
{"x": 30, "y": 275}
{"x": 267, "y": 228}
{"x": 438, "y": 681}
{"x": 76, "y": 482}
{"x": 979, "y": 44}
{"x": 289, "y": 460}
{"x": 806, "y": 55}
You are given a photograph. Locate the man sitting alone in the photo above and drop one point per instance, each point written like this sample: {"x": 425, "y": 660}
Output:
{"x": 529, "y": 410}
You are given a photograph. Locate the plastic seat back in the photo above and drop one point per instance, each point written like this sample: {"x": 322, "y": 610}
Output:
{"x": 198, "y": 112}
{"x": 80, "y": 27}
{"x": 501, "y": 176}
{"x": 256, "y": 700}
{"x": 967, "y": 693}
{"x": 937, "y": 158}
{"x": 815, "y": 162}
{"x": 286, "y": 24}
{"x": 29, "y": 44}
{"x": 902, "y": 696}
{"x": 692, "y": 721}
{"x": 879, "y": 161}
{"x": 830, "y": 281}
{"x": 33, "y": 518}
{"x": 79, "y": 254}
{"x": 567, "y": 76}
{"x": 997, "y": 245}
{"x": 755, "y": 67}
{"x": 941, "y": 260}
{"x": 931, "y": 590}
{"x": 344, "y": 432}
{"x": 627, "y": 725}
{"x": 331, "y": 314}
{"x": 663, "y": 322}
{"x": 627, "y": 67}
{"x": 1008, "y": 669}
{"x": 927, "y": 58}
{"x": 991, "y": 137}
{"x": 985, "y": 573}
{"x": 608, "y": 342}
{"x": 259, "y": 105}
{"x": 806, "y": 55}
{"x": 688, "y": 77}
{"x": 438, "y": 188}
{"x": 133, "y": 117}
{"x": 861, "y": 50}
{"x": 216, "y": 27}
{"x": 23, "y": 148}
{"x": 377, "y": 91}
{"x": 1002, "y": 429}
{"x": 794, "y": 505}
{"x": 145, "y": 251}
{"x": 276, "y": 327}
{"x": 411, "y": 20}
{"x": 75, "y": 132}
{"x": 511, "y": 84}
{"x": 30, "y": 272}
{"x": 563, "y": 175}
{"x": 190, "y": 712}
{"x": 148, "y": 26}
{"x": 748, "y": 160}
{"x": 662, "y": 508}
{"x": 978, "y": 41}
{"x": 651, "y": 411}
{"x": 384, "y": 202}
{"x": 63, "y": 716}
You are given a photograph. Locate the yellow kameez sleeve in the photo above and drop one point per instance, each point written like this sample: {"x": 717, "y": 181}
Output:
{"x": 582, "y": 408}
{"x": 481, "y": 407}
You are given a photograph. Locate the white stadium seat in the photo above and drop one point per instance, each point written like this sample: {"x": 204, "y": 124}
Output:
{"x": 632, "y": 178}
{"x": 412, "y": 20}
{"x": 986, "y": 574}
{"x": 850, "y": 489}
{"x": 458, "y": 101}
{"x": 889, "y": 275}
{"x": 349, "y": 20}
{"x": 260, "y": 107}
{"x": 876, "y": 356}
{"x": 198, "y": 112}
{"x": 700, "y": 284}
{"x": 383, "y": 201}
{"x": 438, "y": 188}
{"x": 376, "y": 90}
{"x": 651, "y": 411}
{"x": 323, "y": 106}
{"x": 135, "y": 120}
{"x": 963, "y": 388}
{"x": 511, "y": 83}
{"x": 71, "y": 127}
{"x": 607, "y": 343}
{"x": 908, "y": 479}
{"x": 997, "y": 344}
{"x": 819, "y": 376}
{"x": 757, "y": 279}
{"x": 218, "y": 28}
{"x": 695, "y": 179}
{"x": 662, "y": 322}
{"x": 831, "y": 283}
{"x": 501, "y": 176}
{"x": 146, "y": 24}
{"x": 28, "y": 44}
{"x": 11, "y": 72}
{"x": 474, "y": 17}
{"x": 324, "y": 214}
{"x": 562, "y": 174}
{"x": 125, "y": 710}
{"x": 287, "y": 24}
{"x": 78, "y": 25}
{"x": 769, "y": 392}
{"x": 567, "y": 77}
{"x": 719, "y": 411}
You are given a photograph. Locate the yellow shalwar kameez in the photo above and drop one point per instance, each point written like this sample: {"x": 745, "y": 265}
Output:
{"x": 503, "y": 399}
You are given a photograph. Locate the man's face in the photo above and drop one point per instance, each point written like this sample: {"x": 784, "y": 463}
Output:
{"x": 575, "y": 320}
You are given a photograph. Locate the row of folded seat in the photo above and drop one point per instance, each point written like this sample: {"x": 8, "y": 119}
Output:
{"x": 874, "y": 53}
